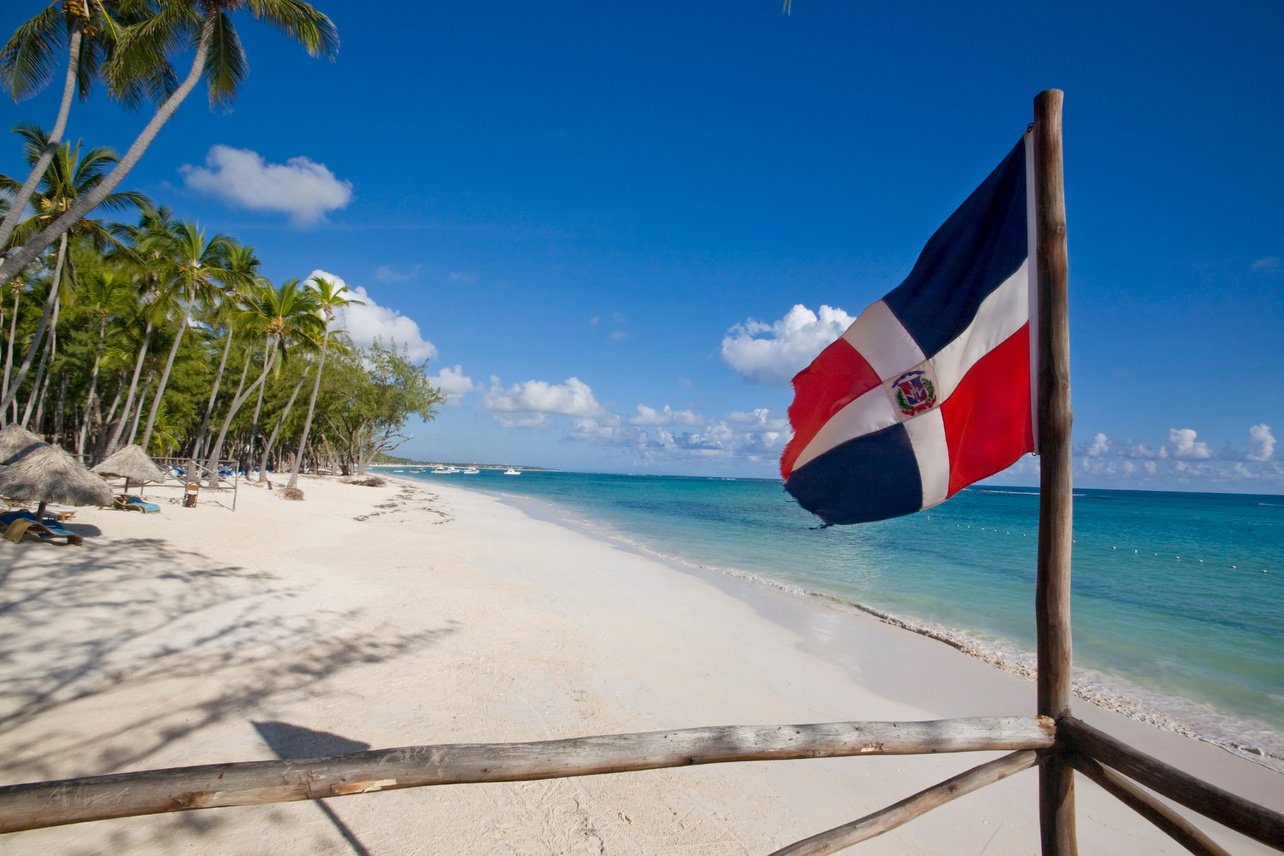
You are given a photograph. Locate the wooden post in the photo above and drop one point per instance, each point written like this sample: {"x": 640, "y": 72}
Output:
{"x": 1052, "y": 588}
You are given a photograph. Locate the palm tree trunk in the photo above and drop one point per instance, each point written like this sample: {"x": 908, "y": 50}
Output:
{"x": 93, "y": 386}
{"x": 169, "y": 365}
{"x": 258, "y": 408}
{"x": 138, "y": 414}
{"x": 18, "y": 260}
{"x": 312, "y": 404}
{"x": 19, "y": 202}
{"x": 235, "y": 406}
{"x": 38, "y": 337}
{"x": 100, "y": 442}
{"x": 209, "y": 405}
{"x": 8, "y": 348}
{"x": 41, "y": 383}
{"x": 271, "y": 441}
{"x": 133, "y": 388}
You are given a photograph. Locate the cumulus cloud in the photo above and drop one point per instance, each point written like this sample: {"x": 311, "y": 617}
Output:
{"x": 1186, "y": 447}
{"x": 665, "y": 416}
{"x": 1100, "y": 445}
{"x": 369, "y": 322}
{"x": 302, "y": 188}
{"x": 771, "y": 354}
{"x": 537, "y": 397}
{"x": 453, "y": 383}
{"x": 1260, "y": 435}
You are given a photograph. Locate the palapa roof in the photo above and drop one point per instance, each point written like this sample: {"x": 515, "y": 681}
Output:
{"x": 132, "y": 464}
{"x": 48, "y": 474}
{"x": 14, "y": 440}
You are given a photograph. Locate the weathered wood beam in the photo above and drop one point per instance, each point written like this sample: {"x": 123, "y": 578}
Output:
{"x": 1052, "y": 581}
{"x": 41, "y": 804}
{"x": 1230, "y": 810}
{"x": 872, "y": 825}
{"x": 1173, "y": 824}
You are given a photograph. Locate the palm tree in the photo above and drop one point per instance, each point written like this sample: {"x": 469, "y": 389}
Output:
{"x": 69, "y": 178}
{"x": 26, "y": 66}
{"x": 242, "y": 274}
{"x": 143, "y": 253}
{"x": 142, "y": 53}
{"x": 285, "y": 315}
{"x": 195, "y": 268}
{"x": 106, "y": 294}
{"x": 330, "y": 296}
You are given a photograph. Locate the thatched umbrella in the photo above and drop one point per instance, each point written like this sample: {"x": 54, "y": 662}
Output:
{"x": 14, "y": 440}
{"x": 48, "y": 474}
{"x": 132, "y": 464}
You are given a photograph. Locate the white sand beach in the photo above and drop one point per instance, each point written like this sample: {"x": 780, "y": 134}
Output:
{"x": 371, "y": 617}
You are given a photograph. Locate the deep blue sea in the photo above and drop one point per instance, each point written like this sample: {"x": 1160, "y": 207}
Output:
{"x": 1177, "y": 598}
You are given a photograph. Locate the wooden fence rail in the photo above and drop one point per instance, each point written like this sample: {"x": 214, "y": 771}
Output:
{"x": 1232, "y": 811}
{"x": 42, "y": 804}
{"x": 898, "y": 814}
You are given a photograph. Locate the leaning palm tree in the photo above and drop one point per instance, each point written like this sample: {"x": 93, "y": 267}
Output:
{"x": 195, "y": 268}
{"x": 330, "y": 296}
{"x": 144, "y": 50}
{"x": 69, "y": 178}
{"x": 28, "y": 60}
{"x": 284, "y": 315}
{"x": 242, "y": 274}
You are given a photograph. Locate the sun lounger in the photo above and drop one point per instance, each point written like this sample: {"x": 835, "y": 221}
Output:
{"x": 135, "y": 503}
{"x": 20, "y": 523}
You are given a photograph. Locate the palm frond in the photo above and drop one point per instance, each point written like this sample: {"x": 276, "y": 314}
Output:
{"x": 29, "y": 58}
{"x": 302, "y": 22}
{"x": 226, "y": 66}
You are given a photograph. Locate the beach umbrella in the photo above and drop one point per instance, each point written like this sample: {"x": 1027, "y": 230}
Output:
{"x": 14, "y": 440}
{"x": 48, "y": 474}
{"x": 132, "y": 464}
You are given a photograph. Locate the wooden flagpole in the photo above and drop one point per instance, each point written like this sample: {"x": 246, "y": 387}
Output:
{"x": 1052, "y": 589}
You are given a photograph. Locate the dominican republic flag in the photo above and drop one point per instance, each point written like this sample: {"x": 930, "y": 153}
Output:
{"x": 930, "y": 389}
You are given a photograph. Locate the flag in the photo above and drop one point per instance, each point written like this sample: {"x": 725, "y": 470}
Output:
{"x": 930, "y": 388}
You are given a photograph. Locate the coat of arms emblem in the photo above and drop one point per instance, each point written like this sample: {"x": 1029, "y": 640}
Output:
{"x": 914, "y": 392}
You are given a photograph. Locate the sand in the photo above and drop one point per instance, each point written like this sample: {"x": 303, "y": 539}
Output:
{"x": 370, "y": 617}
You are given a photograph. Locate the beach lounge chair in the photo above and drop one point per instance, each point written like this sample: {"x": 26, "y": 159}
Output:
{"x": 19, "y": 523}
{"x": 135, "y": 503}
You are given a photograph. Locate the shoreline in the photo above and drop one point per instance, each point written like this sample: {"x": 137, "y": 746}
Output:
{"x": 421, "y": 614}
{"x": 1103, "y": 692}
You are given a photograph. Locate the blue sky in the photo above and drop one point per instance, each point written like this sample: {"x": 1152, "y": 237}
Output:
{"x": 616, "y": 230}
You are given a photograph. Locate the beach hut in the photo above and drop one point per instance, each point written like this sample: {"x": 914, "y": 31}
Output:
{"x": 47, "y": 474}
{"x": 15, "y": 440}
{"x": 131, "y": 464}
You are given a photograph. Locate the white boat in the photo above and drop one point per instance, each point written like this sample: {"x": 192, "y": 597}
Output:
{"x": 512, "y": 472}
{"x": 439, "y": 471}
{"x": 471, "y": 471}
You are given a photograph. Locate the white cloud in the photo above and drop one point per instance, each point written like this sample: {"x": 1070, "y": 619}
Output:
{"x": 302, "y": 188}
{"x": 572, "y": 398}
{"x": 1260, "y": 435}
{"x": 666, "y": 416}
{"x": 1100, "y": 445}
{"x": 383, "y": 273}
{"x": 773, "y": 353}
{"x": 1266, "y": 263}
{"x": 368, "y": 322}
{"x": 1186, "y": 446}
{"x": 453, "y": 383}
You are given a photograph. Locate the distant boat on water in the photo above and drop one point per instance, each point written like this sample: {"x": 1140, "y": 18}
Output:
{"x": 471, "y": 471}
{"x": 512, "y": 472}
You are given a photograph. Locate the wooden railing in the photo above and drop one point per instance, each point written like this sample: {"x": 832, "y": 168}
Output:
{"x": 1034, "y": 739}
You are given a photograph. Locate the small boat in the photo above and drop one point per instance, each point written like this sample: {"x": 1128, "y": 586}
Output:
{"x": 512, "y": 472}
{"x": 471, "y": 471}
{"x": 439, "y": 471}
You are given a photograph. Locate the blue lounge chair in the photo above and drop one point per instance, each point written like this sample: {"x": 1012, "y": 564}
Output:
{"x": 135, "y": 503}
{"x": 19, "y": 523}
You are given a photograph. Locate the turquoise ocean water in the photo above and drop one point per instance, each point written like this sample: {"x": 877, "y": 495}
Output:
{"x": 1177, "y": 598}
